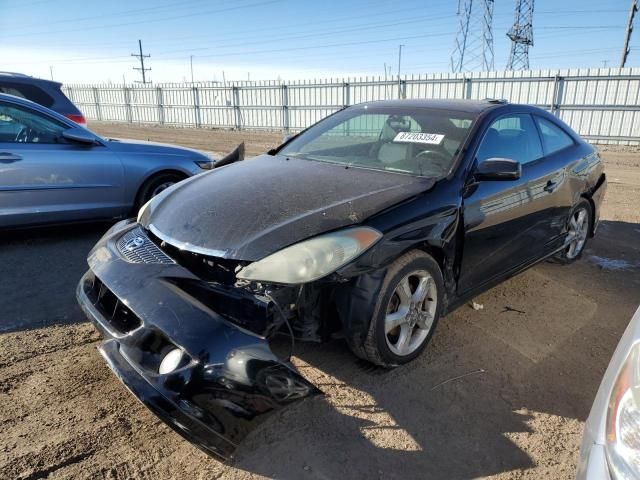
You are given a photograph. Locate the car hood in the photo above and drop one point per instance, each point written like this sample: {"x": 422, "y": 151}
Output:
{"x": 255, "y": 207}
{"x": 124, "y": 145}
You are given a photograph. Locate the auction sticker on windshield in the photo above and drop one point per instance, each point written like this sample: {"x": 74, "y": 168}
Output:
{"x": 419, "y": 137}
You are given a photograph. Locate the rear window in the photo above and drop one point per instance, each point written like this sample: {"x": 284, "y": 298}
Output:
{"x": 553, "y": 137}
{"x": 30, "y": 92}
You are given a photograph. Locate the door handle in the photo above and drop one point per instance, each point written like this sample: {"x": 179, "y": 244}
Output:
{"x": 550, "y": 186}
{"x": 6, "y": 157}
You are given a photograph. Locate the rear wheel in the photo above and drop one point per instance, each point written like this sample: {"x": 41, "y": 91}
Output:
{"x": 406, "y": 312}
{"x": 156, "y": 185}
{"x": 578, "y": 230}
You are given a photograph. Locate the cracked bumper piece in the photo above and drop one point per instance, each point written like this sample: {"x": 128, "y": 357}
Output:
{"x": 222, "y": 380}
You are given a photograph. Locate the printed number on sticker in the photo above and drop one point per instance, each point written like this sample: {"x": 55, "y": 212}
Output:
{"x": 419, "y": 137}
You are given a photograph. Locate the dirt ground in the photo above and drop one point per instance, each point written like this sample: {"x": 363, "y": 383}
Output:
{"x": 534, "y": 357}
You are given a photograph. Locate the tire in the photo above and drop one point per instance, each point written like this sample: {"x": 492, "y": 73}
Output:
{"x": 154, "y": 186}
{"x": 579, "y": 225}
{"x": 415, "y": 320}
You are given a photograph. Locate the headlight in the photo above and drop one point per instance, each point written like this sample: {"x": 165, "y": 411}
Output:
{"x": 206, "y": 164}
{"x": 311, "y": 259}
{"x": 623, "y": 420}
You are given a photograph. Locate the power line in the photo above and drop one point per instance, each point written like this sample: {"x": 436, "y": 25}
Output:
{"x": 141, "y": 57}
{"x": 140, "y": 22}
{"x": 137, "y": 11}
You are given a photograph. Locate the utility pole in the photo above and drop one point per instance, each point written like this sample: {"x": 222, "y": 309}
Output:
{"x": 399, "y": 64}
{"x": 191, "y": 61}
{"x": 142, "y": 68}
{"x": 521, "y": 35}
{"x": 51, "y": 70}
{"x": 386, "y": 87}
{"x": 627, "y": 36}
{"x": 473, "y": 47}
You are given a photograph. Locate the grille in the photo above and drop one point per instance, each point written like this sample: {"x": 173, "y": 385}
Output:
{"x": 136, "y": 247}
{"x": 116, "y": 313}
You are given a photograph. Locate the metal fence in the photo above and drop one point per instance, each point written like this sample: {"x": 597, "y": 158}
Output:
{"x": 602, "y": 104}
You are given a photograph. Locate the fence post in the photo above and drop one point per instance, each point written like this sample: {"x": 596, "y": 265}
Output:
{"x": 96, "y": 99}
{"x": 236, "y": 106}
{"x": 196, "y": 106}
{"x": 160, "y": 100}
{"x": 403, "y": 88}
{"x": 127, "y": 104}
{"x": 346, "y": 94}
{"x": 286, "y": 121}
{"x": 558, "y": 92}
{"x": 467, "y": 87}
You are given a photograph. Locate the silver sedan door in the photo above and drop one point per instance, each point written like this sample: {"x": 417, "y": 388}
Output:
{"x": 45, "y": 178}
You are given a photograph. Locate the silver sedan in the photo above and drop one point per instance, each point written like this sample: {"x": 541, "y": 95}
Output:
{"x": 53, "y": 171}
{"x": 611, "y": 442}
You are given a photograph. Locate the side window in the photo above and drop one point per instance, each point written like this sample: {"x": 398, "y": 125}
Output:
{"x": 553, "y": 137}
{"x": 512, "y": 136}
{"x": 20, "y": 125}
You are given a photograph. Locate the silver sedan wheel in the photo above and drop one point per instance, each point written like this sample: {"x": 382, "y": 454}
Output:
{"x": 578, "y": 231}
{"x": 161, "y": 188}
{"x": 411, "y": 312}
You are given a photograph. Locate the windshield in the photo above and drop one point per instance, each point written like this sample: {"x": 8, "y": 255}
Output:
{"x": 415, "y": 141}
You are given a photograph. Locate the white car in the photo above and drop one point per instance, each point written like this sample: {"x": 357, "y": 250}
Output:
{"x": 611, "y": 442}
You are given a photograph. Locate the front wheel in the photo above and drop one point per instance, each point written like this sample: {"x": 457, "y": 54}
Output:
{"x": 406, "y": 311}
{"x": 154, "y": 186}
{"x": 578, "y": 230}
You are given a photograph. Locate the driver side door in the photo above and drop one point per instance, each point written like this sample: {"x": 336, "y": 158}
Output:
{"x": 47, "y": 179}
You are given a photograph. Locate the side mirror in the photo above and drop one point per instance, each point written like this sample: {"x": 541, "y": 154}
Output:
{"x": 79, "y": 135}
{"x": 498, "y": 169}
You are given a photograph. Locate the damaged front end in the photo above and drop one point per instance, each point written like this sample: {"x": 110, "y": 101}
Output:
{"x": 188, "y": 341}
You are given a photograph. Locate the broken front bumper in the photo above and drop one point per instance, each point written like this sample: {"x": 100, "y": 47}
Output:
{"x": 226, "y": 381}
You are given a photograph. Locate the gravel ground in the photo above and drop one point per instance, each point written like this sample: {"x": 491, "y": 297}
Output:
{"x": 535, "y": 356}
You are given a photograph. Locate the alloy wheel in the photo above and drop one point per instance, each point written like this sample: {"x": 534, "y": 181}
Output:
{"x": 578, "y": 231}
{"x": 160, "y": 188}
{"x": 410, "y": 312}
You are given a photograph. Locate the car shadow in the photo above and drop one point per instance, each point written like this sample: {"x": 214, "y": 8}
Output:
{"x": 39, "y": 271}
{"x": 498, "y": 389}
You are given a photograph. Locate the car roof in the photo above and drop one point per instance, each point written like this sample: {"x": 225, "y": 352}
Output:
{"x": 15, "y": 77}
{"x": 456, "y": 105}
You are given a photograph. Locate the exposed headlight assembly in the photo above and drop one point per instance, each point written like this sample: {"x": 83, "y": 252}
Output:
{"x": 623, "y": 420}
{"x": 311, "y": 259}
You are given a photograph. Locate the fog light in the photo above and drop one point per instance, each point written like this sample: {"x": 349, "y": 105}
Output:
{"x": 170, "y": 361}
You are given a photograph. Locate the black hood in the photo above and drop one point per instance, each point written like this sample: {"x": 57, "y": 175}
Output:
{"x": 249, "y": 209}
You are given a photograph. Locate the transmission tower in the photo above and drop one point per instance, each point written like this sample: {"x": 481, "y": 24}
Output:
{"x": 141, "y": 68}
{"x": 473, "y": 47}
{"x": 521, "y": 35}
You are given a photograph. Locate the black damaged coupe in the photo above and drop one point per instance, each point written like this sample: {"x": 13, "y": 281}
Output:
{"x": 369, "y": 226}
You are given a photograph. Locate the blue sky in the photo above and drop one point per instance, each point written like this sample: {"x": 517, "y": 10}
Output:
{"x": 268, "y": 39}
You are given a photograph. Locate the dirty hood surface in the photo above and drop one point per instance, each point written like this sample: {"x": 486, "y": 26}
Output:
{"x": 255, "y": 207}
